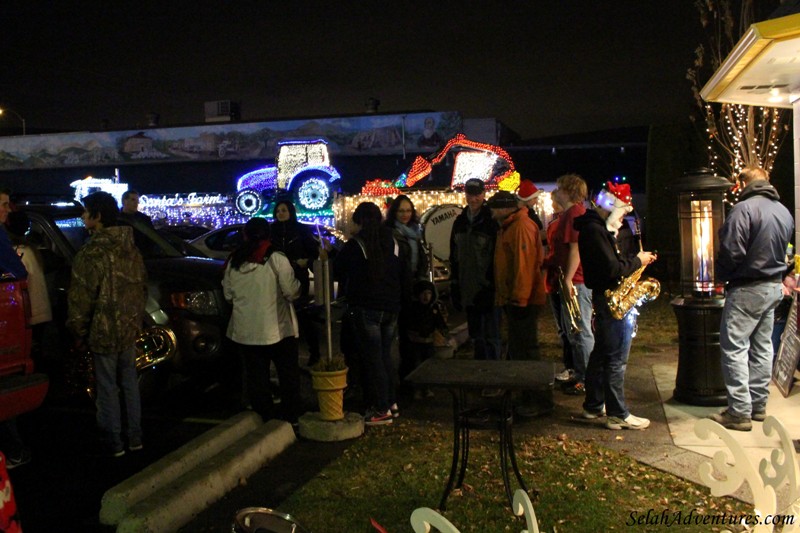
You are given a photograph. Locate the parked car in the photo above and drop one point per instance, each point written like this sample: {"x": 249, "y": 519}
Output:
{"x": 186, "y": 232}
{"x": 219, "y": 243}
{"x": 185, "y": 293}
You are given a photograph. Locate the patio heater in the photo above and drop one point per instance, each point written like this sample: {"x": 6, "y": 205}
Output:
{"x": 699, "y": 307}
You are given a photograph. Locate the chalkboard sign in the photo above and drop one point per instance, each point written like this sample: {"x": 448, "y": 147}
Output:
{"x": 788, "y": 353}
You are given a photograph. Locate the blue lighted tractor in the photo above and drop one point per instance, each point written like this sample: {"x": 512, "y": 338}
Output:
{"x": 302, "y": 173}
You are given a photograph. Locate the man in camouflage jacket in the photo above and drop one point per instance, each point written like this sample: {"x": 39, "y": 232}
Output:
{"x": 106, "y": 300}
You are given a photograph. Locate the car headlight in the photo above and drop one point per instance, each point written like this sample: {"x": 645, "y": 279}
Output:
{"x": 199, "y": 302}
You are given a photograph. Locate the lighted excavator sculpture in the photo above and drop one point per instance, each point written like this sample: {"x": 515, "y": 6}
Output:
{"x": 487, "y": 162}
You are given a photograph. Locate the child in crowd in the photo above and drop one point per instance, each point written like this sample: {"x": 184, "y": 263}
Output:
{"x": 427, "y": 326}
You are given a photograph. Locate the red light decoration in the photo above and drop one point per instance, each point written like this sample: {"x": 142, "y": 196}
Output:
{"x": 379, "y": 187}
{"x": 421, "y": 167}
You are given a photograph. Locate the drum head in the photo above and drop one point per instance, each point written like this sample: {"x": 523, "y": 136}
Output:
{"x": 437, "y": 223}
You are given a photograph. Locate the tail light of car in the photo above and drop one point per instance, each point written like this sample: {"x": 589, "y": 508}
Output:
{"x": 198, "y": 302}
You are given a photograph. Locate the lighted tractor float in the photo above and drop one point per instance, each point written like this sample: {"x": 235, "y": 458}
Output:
{"x": 302, "y": 173}
{"x": 438, "y": 208}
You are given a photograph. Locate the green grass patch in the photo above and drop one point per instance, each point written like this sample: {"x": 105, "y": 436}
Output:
{"x": 583, "y": 487}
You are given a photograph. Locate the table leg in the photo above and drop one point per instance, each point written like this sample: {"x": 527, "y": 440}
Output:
{"x": 457, "y": 436}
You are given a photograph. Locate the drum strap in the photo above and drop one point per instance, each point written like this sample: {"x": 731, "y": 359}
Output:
{"x": 363, "y": 246}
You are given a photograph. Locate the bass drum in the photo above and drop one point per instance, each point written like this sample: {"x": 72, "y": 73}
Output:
{"x": 437, "y": 223}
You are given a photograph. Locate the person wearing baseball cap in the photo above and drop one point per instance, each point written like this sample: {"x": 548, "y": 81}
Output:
{"x": 603, "y": 267}
{"x": 520, "y": 289}
{"x": 472, "y": 242}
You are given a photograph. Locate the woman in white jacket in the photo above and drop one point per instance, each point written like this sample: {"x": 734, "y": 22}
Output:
{"x": 260, "y": 284}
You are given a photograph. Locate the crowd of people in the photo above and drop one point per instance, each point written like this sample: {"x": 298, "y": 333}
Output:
{"x": 504, "y": 263}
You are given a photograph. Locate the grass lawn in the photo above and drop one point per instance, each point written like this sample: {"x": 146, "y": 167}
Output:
{"x": 583, "y": 487}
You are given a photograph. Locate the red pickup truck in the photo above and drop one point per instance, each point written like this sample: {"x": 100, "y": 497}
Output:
{"x": 21, "y": 389}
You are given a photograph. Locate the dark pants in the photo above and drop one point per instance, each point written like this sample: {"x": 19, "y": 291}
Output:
{"x": 523, "y": 339}
{"x": 484, "y": 330}
{"x": 374, "y": 333}
{"x": 257, "y": 359}
{"x": 605, "y": 373}
{"x": 309, "y": 333}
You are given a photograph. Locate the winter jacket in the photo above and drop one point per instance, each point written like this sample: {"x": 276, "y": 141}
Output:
{"x": 472, "y": 245}
{"x": 261, "y": 294}
{"x": 296, "y": 241}
{"x": 753, "y": 238}
{"x": 383, "y": 294}
{"x": 108, "y": 291}
{"x": 602, "y": 264}
{"x": 518, "y": 258}
{"x": 9, "y": 260}
{"x": 41, "y": 310}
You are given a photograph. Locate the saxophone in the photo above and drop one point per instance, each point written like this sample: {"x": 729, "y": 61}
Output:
{"x": 632, "y": 292}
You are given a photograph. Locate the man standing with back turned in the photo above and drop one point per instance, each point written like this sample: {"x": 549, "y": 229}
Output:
{"x": 751, "y": 259}
{"x": 107, "y": 296}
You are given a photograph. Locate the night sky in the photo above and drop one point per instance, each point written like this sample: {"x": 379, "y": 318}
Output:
{"x": 541, "y": 67}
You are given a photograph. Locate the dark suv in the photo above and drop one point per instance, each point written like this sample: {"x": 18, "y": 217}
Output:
{"x": 185, "y": 293}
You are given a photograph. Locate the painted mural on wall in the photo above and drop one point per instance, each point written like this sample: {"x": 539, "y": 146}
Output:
{"x": 362, "y": 135}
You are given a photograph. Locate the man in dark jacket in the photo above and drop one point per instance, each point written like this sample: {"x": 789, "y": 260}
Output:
{"x": 106, "y": 302}
{"x": 751, "y": 259}
{"x": 472, "y": 242}
{"x": 603, "y": 267}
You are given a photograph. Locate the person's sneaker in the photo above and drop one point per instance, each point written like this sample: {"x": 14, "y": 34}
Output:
{"x": 729, "y": 421}
{"x": 631, "y": 422}
{"x": 378, "y": 419}
{"x": 591, "y": 415}
{"x": 395, "y": 410}
{"x": 574, "y": 389}
{"x": 758, "y": 416}
{"x": 565, "y": 375}
{"x": 135, "y": 446}
{"x": 116, "y": 452}
{"x": 23, "y": 458}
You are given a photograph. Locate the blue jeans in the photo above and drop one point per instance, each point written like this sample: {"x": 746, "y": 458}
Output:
{"x": 115, "y": 372}
{"x": 745, "y": 342}
{"x": 581, "y": 344}
{"x": 566, "y": 349}
{"x": 605, "y": 373}
{"x": 374, "y": 331}
{"x": 484, "y": 330}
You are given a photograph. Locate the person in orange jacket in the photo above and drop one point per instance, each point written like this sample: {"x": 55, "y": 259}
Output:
{"x": 519, "y": 283}
{"x": 519, "y": 289}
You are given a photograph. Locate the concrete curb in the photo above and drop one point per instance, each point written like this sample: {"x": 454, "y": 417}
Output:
{"x": 118, "y": 500}
{"x": 176, "y": 503}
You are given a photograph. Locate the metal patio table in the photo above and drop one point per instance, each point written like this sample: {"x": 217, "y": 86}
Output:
{"x": 461, "y": 376}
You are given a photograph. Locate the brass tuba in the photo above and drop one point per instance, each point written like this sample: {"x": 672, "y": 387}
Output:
{"x": 632, "y": 291}
{"x": 570, "y": 303}
{"x": 154, "y": 345}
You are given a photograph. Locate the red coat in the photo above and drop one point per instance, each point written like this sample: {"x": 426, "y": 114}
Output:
{"x": 518, "y": 258}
